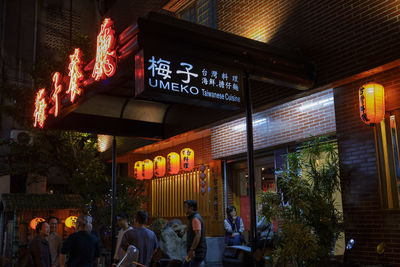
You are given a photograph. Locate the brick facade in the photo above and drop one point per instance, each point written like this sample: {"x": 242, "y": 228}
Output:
{"x": 347, "y": 41}
{"x": 341, "y": 37}
{"x": 365, "y": 220}
{"x": 292, "y": 121}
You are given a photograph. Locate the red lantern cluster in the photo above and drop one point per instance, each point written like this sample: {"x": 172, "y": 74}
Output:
{"x": 161, "y": 166}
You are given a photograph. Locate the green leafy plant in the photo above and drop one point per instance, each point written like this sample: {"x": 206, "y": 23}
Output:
{"x": 304, "y": 205}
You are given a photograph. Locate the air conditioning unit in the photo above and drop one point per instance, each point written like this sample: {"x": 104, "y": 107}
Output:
{"x": 21, "y": 136}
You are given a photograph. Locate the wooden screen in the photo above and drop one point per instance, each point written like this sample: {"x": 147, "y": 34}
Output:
{"x": 169, "y": 193}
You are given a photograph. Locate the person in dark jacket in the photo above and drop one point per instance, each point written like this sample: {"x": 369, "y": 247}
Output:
{"x": 39, "y": 250}
{"x": 233, "y": 228}
{"x": 196, "y": 235}
{"x": 82, "y": 247}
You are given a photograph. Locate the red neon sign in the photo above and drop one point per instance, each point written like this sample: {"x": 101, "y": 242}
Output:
{"x": 40, "y": 108}
{"x": 56, "y": 91}
{"x": 75, "y": 74}
{"x": 105, "y": 65}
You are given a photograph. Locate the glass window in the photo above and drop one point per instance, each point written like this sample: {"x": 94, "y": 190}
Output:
{"x": 201, "y": 12}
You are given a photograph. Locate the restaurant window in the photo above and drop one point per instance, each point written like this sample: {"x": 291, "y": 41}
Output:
{"x": 201, "y": 12}
{"x": 238, "y": 180}
{"x": 387, "y": 149}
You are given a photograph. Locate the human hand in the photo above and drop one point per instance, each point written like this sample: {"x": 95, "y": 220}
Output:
{"x": 190, "y": 255}
{"x": 235, "y": 234}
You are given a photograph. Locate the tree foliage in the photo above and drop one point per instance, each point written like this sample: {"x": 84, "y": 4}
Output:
{"x": 304, "y": 205}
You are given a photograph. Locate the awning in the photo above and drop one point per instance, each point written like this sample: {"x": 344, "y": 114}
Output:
{"x": 111, "y": 107}
{"x": 11, "y": 202}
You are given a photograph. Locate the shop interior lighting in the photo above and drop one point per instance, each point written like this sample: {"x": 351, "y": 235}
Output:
{"x": 242, "y": 126}
{"x": 321, "y": 103}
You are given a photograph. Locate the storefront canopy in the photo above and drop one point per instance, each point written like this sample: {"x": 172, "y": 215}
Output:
{"x": 117, "y": 106}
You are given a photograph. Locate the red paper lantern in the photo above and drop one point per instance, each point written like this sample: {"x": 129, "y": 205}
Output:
{"x": 147, "y": 169}
{"x": 159, "y": 166}
{"x": 34, "y": 222}
{"x": 138, "y": 170}
{"x": 173, "y": 163}
{"x": 187, "y": 159}
{"x": 372, "y": 103}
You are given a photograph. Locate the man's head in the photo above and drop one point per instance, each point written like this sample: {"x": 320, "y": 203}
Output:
{"x": 189, "y": 206}
{"x": 84, "y": 223}
{"x": 122, "y": 220}
{"x": 141, "y": 217}
{"x": 43, "y": 229}
{"x": 53, "y": 222}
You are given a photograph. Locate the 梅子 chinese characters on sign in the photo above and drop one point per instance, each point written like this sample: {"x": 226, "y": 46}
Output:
{"x": 187, "y": 81}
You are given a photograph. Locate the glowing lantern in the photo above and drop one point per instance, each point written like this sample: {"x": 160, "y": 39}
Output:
{"x": 372, "y": 103}
{"x": 147, "y": 169}
{"x": 173, "y": 163}
{"x": 138, "y": 170}
{"x": 71, "y": 221}
{"x": 34, "y": 222}
{"x": 187, "y": 159}
{"x": 159, "y": 166}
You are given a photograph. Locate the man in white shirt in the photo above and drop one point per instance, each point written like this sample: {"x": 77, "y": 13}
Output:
{"x": 122, "y": 221}
{"x": 55, "y": 242}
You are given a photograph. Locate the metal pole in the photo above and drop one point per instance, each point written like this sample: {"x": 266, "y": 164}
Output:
{"x": 250, "y": 162}
{"x": 225, "y": 188}
{"x": 113, "y": 189}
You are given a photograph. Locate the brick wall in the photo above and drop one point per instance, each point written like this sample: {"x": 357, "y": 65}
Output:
{"x": 295, "y": 120}
{"x": 342, "y": 37}
{"x": 364, "y": 219}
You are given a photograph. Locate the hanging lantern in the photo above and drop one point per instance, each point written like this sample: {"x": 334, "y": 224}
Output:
{"x": 71, "y": 221}
{"x": 187, "y": 159}
{"x": 159, "y": 166}
{"x": 173, "y": 163}
{"x": 138, "y": 170}
{"x": 147, "y": 169}
{"x": 34, "y": 222}
{"x": 372, "y": 103}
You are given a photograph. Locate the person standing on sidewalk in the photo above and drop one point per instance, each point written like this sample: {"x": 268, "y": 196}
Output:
{"x": 39, "y": 251}
{"x": 122, "y": 221}
{"x": 54, "y": 242}
{"x": 142, "y": 238}
{"x": 82, "y": 247}
{"x": 196, "y": 235}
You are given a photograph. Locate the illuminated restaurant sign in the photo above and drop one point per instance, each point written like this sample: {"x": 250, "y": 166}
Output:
{"x": 187, "y": 80}
{"x": 101, "y": 68}
{"x": 161, "y": 74}
{"x": 144, "y": 170}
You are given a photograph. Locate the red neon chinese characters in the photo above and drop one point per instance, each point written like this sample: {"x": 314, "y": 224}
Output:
{"x": 75, "y": 74}
{"x": 105, "y": 65}
{"x": 40, "y": 108}
{"x": 56, "y": 91}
